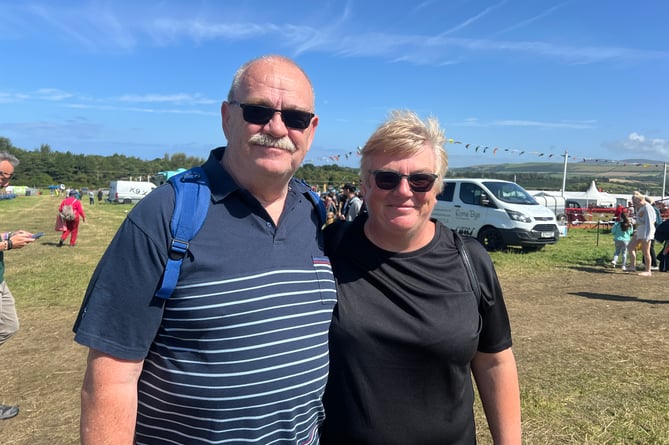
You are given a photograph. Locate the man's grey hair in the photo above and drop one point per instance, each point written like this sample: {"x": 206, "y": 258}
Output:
{"x": 239, "y": 75}
{"x": 5, "y": 156}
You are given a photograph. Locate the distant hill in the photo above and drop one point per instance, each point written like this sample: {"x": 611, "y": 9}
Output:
{"x": 613, "y": 177}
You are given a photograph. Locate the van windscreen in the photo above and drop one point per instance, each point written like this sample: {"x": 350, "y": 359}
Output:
{"x": 510, "y": 192}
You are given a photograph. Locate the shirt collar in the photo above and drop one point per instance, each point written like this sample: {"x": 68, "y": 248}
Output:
{"x": 222, "y": 184}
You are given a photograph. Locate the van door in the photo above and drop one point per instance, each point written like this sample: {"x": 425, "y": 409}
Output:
{"x": 463, "y": 206}
{"x": 472, "y": 212}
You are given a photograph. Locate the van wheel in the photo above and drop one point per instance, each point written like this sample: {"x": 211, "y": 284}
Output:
{"x": 127, "y": 201}
{"x": 491, "y": 239}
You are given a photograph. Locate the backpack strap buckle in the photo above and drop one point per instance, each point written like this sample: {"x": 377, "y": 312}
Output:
{"x": 178, "y": 249}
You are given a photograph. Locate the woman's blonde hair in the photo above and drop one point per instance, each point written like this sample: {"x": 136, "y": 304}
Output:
{"x": 405, "y": 134}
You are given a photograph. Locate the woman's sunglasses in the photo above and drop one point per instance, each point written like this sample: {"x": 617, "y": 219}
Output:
{"x": 260, "y": 115}
{"x": 389, "y": 180}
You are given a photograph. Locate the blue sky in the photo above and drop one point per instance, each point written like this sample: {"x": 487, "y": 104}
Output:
{"x": 528, "y": 79}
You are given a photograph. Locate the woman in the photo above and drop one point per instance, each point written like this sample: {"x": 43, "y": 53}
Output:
{"x": 644, "y": 232}
{"x": 408, "y": 328}
{"x": 70, "y": 210}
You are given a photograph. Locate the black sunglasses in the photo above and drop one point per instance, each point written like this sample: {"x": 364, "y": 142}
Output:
{"x": 260, "y": 115}
{"x": 389, "y": 180}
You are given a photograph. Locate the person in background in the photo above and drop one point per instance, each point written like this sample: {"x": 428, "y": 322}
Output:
{"x": 71, "y": 225}
{"x": 657, "y": 222}
{"x": 100, "y": 193}
{"x": 330, "y": 217}
{"x": 618, "y": 212}
{"x": 238, "y": 353}
{"x": 330, "y": 202}
{"x": 91, "y": 197}
{"x": 622, "y": 235}
{"x": 9, "y": 320}
{"x": 409, "y": 329}
{"x": 644, "y": 232}
{"x": 352, "y": 205}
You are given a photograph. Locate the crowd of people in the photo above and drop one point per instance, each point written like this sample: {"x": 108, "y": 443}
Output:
{"x": 344, "y": 205}
{"x": 635, "y": 229}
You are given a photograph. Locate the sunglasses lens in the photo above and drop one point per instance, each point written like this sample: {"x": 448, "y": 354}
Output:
{"x": 418, "y": 182}
{"x": 296, "y": 119}
{"x": 421, "y": 182}
{"x": 259, "y": 115}
{"x": 255, "y": 114}
{"x": 387, "y": 180}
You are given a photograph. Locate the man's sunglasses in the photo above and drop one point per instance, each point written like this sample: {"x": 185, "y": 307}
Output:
{"x": 260, "y": 115}
{"x": 389, "y": 180}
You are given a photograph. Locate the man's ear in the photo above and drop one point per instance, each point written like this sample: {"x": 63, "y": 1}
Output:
{"x": 225, "y": 117}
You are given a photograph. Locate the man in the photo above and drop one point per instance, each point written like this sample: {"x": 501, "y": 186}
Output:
{"x": 238, "y": 353}
{"x": 353, "y": 203}
{"x": 9, "y": 321}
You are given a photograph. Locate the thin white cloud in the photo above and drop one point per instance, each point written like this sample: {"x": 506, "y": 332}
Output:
{"x": 75, "y": 101}
{"x": 97, "y": 25}
{"x": 55, "y": 131}
{"x": 73, "y": 32}
{"x": 473, "y": 19}
{"x": 570, "y": 124}
{"x": 640, "y": 145}
{"x": 190, "y": 111}
{"x": 531, "y": 19}
{"x": 178, "y": 98}
{"x": 42, "y": 94}
{"x": 527, "y": 123}
{"x": 51, "y": 94}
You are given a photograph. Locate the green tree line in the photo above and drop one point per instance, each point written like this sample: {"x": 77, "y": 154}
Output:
{"x": 43, "y": 167}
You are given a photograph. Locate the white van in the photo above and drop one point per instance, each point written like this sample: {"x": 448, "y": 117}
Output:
{"x": 497, "y": 213}
{"x": 127, "y": 192}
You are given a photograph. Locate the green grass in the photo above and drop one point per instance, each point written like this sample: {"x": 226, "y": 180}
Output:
{"x": 592, "y": 344}
{"x": 579, "y": 247}
{"x": 39, "y": 272}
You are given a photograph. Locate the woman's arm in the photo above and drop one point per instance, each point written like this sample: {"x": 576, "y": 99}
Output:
{"x": 497, "y": 381}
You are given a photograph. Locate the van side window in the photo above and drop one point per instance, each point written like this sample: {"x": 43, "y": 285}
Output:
{"x": 447, "y": 193}
{"x": 470, "y": 193}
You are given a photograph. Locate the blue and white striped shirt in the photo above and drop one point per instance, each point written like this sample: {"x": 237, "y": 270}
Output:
{"x": 239, "y": 353}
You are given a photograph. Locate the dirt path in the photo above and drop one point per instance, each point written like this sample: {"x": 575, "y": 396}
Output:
{"x": 572, "y": 318}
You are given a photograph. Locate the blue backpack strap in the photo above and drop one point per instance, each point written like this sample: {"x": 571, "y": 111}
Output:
{"x": 191, "y": 204}
{"x": 316, "y": 200}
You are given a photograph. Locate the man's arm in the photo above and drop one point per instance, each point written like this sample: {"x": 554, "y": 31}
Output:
{"x": 109, "y": 400}
{"x": 497, "y": 381}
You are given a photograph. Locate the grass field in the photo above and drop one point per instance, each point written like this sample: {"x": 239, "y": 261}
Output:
{"x": 592, "y": 343}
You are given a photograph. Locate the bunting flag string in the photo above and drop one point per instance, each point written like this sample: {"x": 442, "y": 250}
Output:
{"x": 484, "y": 149}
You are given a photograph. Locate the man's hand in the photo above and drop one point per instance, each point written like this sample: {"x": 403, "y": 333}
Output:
{"x": 21, "y": 238}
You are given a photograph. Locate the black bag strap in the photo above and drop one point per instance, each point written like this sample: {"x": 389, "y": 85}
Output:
{"x": 466, "y": 259}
